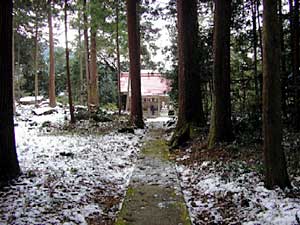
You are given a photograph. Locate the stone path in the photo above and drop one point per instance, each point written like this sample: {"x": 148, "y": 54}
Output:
{"x": 154, "y": 196}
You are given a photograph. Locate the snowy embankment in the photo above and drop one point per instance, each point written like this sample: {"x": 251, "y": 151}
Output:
{"x": 229, "y": 193}
{"x": 67, "y": 179}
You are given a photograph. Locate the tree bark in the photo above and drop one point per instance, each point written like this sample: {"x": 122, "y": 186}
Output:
{"x": 136, "y": 113}
{"x": 87, "y": 54}
{"x": 72, "y": 121}
{"x": 36, "y": 78}
{"x": 294, "y": 22}
{"x": 52, "y": 96}
{"x": 9, "y": 166}
{"x": 80, "y": 66}
{"x": 296, "y": 63}
{"x": 190, "y": 96}
{"x": 274, "y": 159}
{"x": 220, "y": 125}
{"x": 283, "y": 61}
{"x": 94, "y": 96}
{"x": 13, "y": 68}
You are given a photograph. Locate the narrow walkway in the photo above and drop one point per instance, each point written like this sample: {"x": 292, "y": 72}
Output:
{"x": 154, "y": 196}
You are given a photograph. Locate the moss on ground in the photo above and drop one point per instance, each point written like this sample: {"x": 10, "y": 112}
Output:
{"x": 184, "y": 213}
{"x": 141, "y": 207}
{"x": 120, "y": 222}
{"x": 130, "y": 192}
{"x": 156, "y": 148}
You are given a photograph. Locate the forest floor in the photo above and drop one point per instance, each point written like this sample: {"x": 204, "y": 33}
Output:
{"x": 80, "y": 174}
{"x": 225, "y": 185}
{"x": 69, "y": 175}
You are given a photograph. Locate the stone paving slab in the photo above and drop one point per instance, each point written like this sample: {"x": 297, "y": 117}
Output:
{"x": 154, "y": 196}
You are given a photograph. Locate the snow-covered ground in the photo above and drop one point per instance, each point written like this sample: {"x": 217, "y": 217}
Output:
{"x": 80, "y": 178}
{"x": 216, "y": 195}
{"x": 159, "y": 122}
{"x": 66, "y": 179}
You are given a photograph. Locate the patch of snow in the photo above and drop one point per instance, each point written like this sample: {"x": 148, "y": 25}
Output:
{"x": 158, "y": 122}
{"x": 43, "y": 111}
{"x": 28, "y": 119}
{"x": 183, "y": 158}
{"x": 66, "y": 179}
{"x": 30, "y": 99}
{"x": 158, "y": 119}
{"x": 206, "y": 189}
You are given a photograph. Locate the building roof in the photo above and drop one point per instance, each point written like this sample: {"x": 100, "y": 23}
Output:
{"x": 152, "y": 83}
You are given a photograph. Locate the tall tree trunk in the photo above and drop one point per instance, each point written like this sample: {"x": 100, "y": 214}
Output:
{"x": 118, "y": 57}
{"x": 87, "y": 54}
{"x": 283, "y": 61}
{"x": 220, "y": 125}
{"x": 94, "y": 95}
{"x": 296, "y": 63}
{"x": 9, "y": 166}
{"x": 274, "y": 159}
{"x": 36, "y": 78}
{"x": 254, "y": 32}
{"x": 13, "y": 68}
{"x": 294, "y": 21}
{"x": 68, "y": 66}
{"x": 52, "y": 96}
{"x": 80, "y": 65}
{"x": 136, "y": 113}
{"x": 190, "y": 97}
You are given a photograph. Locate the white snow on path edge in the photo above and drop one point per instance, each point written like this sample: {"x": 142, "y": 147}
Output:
{"x": 66, "y": 179}
{"x": 202, "y": 185}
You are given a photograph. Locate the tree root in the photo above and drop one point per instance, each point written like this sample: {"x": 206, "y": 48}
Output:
{"x": 181, "y": 136}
